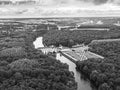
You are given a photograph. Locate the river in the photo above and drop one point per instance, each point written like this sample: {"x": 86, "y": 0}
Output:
{"x": 82, "y": 84}
{"x": 38, "y": 42}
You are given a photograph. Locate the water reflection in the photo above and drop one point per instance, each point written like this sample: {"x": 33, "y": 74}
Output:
{"x": 82, "y": 84}
{"x": 38, "y": 42}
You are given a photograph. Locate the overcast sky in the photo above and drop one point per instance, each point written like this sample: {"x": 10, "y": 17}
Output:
{"x": 63, "y": 8}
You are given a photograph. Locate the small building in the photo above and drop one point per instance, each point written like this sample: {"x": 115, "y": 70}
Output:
{"x": 65, "y": 27}
{"x": 78, "y": 45}
{"x": 83, "y": 49}
{"x": 117, "y": 24}
{"x": 47, "y": 50}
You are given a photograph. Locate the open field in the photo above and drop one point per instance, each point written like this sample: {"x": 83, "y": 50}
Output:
{"x": 104, "y": 40}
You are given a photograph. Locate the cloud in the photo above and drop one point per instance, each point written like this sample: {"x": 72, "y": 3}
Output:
{"x": 61, "y": 8}
{"x": 116, "y": 2}
{"x": 98, "y": 2}
{"x": 70, "y": 2}
{"x": 21, "y": 11}
{"x": 67, "y": 2}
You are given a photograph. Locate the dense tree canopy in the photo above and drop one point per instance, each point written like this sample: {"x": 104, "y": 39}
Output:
{"x": 24, "y": 68}
{"x": 69, "y": 38}
{"x": 105, "y": 73}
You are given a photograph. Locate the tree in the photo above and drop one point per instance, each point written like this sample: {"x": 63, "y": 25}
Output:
{"x": 101, "y": 79}
{"x": 104, "y": 86}
{"x": 24, "y": 64}
{"x": 94, "y": 75}
{"x": 13, "y": 52}
{"x": 117, "y": 81}
{"x": 18, "y": 76}
{"x": 118, "y": 88}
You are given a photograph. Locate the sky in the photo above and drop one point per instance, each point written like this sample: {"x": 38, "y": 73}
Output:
{"x": 62, "y": 8}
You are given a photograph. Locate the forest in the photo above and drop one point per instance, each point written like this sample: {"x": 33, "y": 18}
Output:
{"x": 70, "y": 38}
{"x": 104, "y": 73}
{"x": 24, "y": 68}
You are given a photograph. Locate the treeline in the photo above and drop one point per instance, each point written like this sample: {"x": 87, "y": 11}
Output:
{"x": 24, "y": 68}
{"x": 109, "y": 26}
{"x": 108, "y": 49}
{"x": 69, "y": 38}
{"x": 103, "y": 72}
{"x": 95, "y": 26}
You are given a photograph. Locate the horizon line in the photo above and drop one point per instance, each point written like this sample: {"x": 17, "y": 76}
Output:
{"x": 60, "y": 17}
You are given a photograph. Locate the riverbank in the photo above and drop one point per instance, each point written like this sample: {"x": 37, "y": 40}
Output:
{"x": 66, "y": 84}
{"x": 81, "y": 83}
